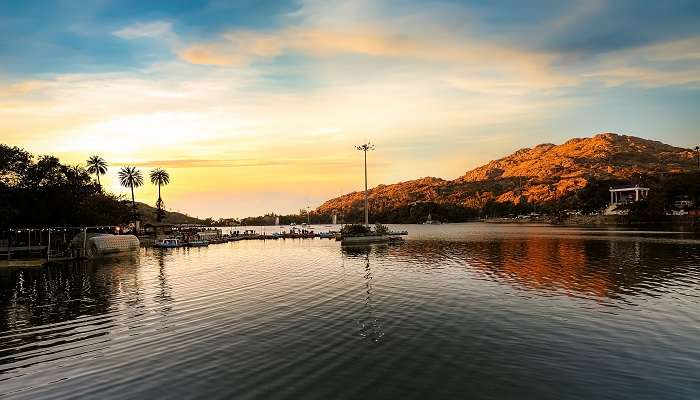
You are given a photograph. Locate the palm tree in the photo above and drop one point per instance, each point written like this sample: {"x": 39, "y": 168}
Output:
{"x": 98, "y": 166}
{"x": 130, "y": 177}
{"x": 159, "y": 177}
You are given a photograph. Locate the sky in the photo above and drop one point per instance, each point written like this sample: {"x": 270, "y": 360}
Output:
{"x": 255, "y": 106}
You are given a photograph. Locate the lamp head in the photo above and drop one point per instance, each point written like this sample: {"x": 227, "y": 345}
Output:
{"x": 365, "y": 147}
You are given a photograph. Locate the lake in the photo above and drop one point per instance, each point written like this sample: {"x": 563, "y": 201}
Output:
{"x": 479, "y": 311}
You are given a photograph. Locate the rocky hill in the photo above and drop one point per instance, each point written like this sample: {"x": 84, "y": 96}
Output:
{"x": 544, "y": 173}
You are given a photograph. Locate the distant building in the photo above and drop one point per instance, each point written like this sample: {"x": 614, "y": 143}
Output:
{"x": 683, "y": 203}
{"x": 627, "y": 194}
{"x": 158, "y": 230}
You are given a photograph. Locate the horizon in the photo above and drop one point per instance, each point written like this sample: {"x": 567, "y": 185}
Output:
{"x": 256, "y": 108}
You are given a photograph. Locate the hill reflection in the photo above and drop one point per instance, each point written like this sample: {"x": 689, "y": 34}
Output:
{"x": 577, "y": 266}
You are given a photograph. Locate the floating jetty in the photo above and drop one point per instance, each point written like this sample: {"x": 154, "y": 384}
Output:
{"x": 192, "y": 238}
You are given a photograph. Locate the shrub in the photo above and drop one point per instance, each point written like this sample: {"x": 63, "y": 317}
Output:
{"x": 354, "y": 229}
{"x": 381, "y": 229}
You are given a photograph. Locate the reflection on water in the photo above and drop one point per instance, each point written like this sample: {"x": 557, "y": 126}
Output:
{"x": 573, "y": 266}
{"x": 468, "y": 310}
{"x": 369, "y": 326}
{"x": 56, "y": 293}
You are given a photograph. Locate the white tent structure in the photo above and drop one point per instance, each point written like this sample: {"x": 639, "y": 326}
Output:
{"x": 99, "y": 244}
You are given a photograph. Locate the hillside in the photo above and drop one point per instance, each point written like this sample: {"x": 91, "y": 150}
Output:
{"x": 148, "y": 215}
{"x": 543, "y": 174}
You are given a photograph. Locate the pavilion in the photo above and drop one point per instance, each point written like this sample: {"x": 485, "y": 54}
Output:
{"x": 627, "y": 194}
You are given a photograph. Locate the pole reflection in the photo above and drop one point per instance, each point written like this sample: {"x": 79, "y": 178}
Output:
{"x": 369, "y": 325}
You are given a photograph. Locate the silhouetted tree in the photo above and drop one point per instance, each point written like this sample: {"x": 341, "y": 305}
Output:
{"x": 98, "y": 166}
{"x": 47, "y": 193}
{"x": 160, "y": 177}
{"x": 130, "y": 177}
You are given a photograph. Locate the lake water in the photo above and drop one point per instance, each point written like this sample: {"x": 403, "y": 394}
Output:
{"x": 457, "y": 311}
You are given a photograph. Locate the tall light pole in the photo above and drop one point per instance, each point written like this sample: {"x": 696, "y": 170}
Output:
{"x": 366, "y": 147}
{"x": 697, "y": 154}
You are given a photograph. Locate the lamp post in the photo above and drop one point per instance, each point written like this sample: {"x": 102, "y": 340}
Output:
{"x": 365, "y": 148}
{"x": 697, "y": 155}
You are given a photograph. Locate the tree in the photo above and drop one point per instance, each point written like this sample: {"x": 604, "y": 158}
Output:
{"x": 98, "y": 166}
{"x": 14, "y": 163}
{"x": 130, "y": 177}
{"x": 41, "y": 191}
{"x": 160, "y": 177}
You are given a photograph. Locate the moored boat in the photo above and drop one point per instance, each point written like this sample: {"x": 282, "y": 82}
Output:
{"x": 328, "y": 235}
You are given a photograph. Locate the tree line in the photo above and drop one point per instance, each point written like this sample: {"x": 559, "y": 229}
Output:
{"x": 41, "y": 191}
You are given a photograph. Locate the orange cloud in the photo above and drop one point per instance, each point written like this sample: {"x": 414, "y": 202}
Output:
{"x": 242, "y": 47}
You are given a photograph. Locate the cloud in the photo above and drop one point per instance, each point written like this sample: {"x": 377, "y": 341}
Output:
{"x": 22, "y": 88}
{"x": 675, "y": 50}
{"x": 243, "y": 47}
{"x": 153, "y": 29}
{"x": 235, "y": 49}
{"x": 646, "y": 77}
{"x": 671, "y": 63}
{"x": 242, "y": 163}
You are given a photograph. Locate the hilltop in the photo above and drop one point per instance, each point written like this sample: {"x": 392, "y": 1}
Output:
{"x": 148, "y": 215}
{"x": 543, "y": 174}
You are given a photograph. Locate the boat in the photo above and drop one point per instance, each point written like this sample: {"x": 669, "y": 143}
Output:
{"x": 328, "y": 235}
{"x": 168, "y": 243}
{"x": 198, "y": 243}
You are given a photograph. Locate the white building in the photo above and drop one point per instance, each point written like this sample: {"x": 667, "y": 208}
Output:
{"x": 627, "y": 194}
